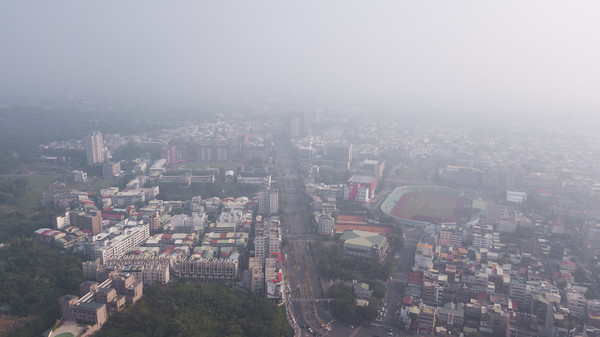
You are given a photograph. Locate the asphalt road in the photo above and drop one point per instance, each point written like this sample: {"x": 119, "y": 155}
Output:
{"x": 302, "y": 304}
{"x": 302, "y": 276}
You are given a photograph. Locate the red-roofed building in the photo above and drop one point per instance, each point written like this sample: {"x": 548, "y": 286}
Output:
{"x": 415, "y": 277}
{"x": 567, "y": 266}
{"x": 47, "y": 235}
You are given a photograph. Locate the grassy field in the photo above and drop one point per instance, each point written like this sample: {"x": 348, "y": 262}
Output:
{"x": 95, "y": 184}
{"x": 102, "y": 183}
{"x": 33, "y": 195}
{"x": 430, "y": 205}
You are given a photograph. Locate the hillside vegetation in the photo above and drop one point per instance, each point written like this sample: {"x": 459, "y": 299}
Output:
{"x": 186, "y": 309}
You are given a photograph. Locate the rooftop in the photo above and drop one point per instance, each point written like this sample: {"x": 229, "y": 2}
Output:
{"x": 362, "y": 238}
{"x": 362, "y": 179}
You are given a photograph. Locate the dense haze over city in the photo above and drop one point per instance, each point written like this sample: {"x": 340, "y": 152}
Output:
{"x": 474, "y": 58}
{"x": 314, "y": 168}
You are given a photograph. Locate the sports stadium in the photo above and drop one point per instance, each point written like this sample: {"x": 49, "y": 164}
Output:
{"x": 425, "y": 205}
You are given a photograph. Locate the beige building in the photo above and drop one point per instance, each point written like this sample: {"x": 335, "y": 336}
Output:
{"x": 207, "y": 269}
{"x": 98, "y": 300}
{"x": 73, "y": 309}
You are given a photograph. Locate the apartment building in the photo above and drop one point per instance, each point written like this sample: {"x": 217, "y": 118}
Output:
{"x": 208, "y": 269}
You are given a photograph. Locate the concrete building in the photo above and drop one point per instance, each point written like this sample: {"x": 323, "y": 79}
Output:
{"x": 111, "y": 169}
{"x": 126, "y": 198}
{"x": 74, "y": 309}
{"x": 451, "y": 315}
{"x": 577, "y": 304}
{"x": 326, "y": 224}
{"x": 174, "y": 154}
{"x": 264, "y": 180}
{"x": 116, "y": 243}
{"x": 450, "y": 237}
{"x": 360, "y": 188}
{"x": 427, "y": 318}
{"x": 423, "y": 257}
{"x": 268, "y": 201}
{"x": 298, "y": 125}
{"x": 148, "y": 274}
{"x": 207, "y": 269}
{"x": 253, "y": 151}
{"x": 214, "y": 150}
{"x": 364, "y": 244}
{"x": 148, "y": 269}
{"x": 79, "y": 176}
{"x": 91, "y": 221}
{"x": 158, "y": 167}
{"x": 485, "y": 240}
{"x": 522, "y": 325}
{"x": 273, "y": 278}
{"x": 94, "y": 149}
{"x": 255, "y": 280}
{"x": 265, "y": 246}
{"x": 127, "y": 285}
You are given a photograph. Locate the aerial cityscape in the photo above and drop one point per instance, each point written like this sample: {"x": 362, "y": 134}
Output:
{"x": 316, "y": 169}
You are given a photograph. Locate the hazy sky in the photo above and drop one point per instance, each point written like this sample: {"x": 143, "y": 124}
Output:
{"x": 457, "y": 53}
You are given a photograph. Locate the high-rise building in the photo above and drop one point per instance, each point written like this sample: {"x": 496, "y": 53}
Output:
{"x": 94, "y": 149}
{"x": 214, "y": 150}
{"x": 298, "y": 125}
{"x": 268, "y": 201}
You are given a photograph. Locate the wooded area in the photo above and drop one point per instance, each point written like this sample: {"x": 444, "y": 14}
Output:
{"x": 186, "y": 309}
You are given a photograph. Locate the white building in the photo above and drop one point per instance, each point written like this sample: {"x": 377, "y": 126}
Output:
{"x": 423, "y": 257}
{"x": 483, "y": 240}
{"x": 158, "y": 167}
{"x": 79, "y": 176}
{"x": 116, "y": 242}
{"x": 577, "y": 304}
{"x": 94, "y": 149}
{"x": 516, "y": 196}
{"x": 126, "y": 198}
{"x": 326, "y": 224}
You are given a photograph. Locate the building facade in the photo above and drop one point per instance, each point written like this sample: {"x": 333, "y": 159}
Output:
{"x": 94, "y": 149}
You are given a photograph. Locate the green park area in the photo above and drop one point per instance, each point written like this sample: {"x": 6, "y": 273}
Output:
{"x": 32, "y": 275}
{"x": 22, "y": 192}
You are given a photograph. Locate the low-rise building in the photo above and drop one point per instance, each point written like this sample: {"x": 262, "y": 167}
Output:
{"x": 364, "y": 244}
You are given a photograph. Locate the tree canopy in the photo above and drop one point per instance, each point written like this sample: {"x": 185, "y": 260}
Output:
{"x": 186, "y": 309}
